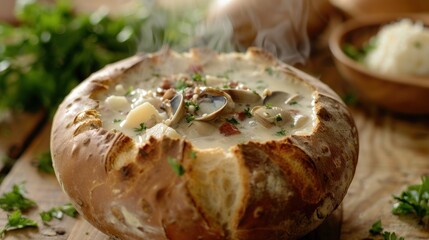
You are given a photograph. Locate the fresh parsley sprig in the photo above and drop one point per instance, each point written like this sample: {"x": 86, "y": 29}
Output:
{"x": 414, "y": 200}
{"x": 58, "y": 212}
{"x": 16, "y": 221}
{"x": 44, "y": 162}
{"x": 176, "y": 166}
{"x": 378, "y": 230}
{"x": 15, "y": 199}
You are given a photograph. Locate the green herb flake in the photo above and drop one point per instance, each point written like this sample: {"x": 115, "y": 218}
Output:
{"x": 232, "y": 121}
{"x": 268, "y": 106}
{"x": 16, "y": 221}
{"x": 414, "y": 200}
{"x": 44, "y": 162}
{"x": 180, "y": 85}
{"x": 15, "y": 199}
{"x": 129, "y": 91}
{"x": 117, "y": 120}
{"x": 293, "y": 103}
{"x": 418, "y": 45}
{"x": 192, "y": 103}
{"x": 189, "y": 118}
{"x": 281, "y": 133}
{"x": 198, "y": 78}
{"x": 177, "y": 168}
{"x": 193, "y": 155}
{"x": 140, "y": 129}
{"x": 376, "y": 228}
{"x": 248, "y": 112}
{"x": 279, "y": 117}
{"x": 58, "y": 212}
{"x": 269, "y": 70}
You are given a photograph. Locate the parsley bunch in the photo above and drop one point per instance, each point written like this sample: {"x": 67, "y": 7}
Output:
{"x": 16, "y": 200}
{"x": 414, "y": 200}
{"x": 16, "y": 221}
{"x": 377, "y": 229}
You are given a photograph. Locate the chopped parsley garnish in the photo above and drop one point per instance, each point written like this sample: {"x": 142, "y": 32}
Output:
{"x": 181, "y": 85}
{"x": 190, "y": 118}
{"x": 279, "y": 117}
{"x": 191, "y": 103}
{"x": 198, "y": 78}
{"x": 129, "y": 91}
{"x": 177, "y": 168}
{"x": 116, "y": 120}
{"x": 232, "y": 121}
{"x": 226, "y": 86}
{"x": 414, "y": 200}
{"x": 247, "y": 112}
{"x": 377, "y": 230}
{"x": 15, "y": 199}
{"x": 282, "y": 132}
{"x": 44, "y": 162}
{"x": 140, "y": 129}
{"x": 268, "y": 106}
{"x": 58, "y": 212}
{"x": 269, "y": 71}
{"x": 293, "y": 103}
{"x": 16, "y": 221}
{"x": 359, "y": 54}
{"x": 418, "y": 45}
{"x": 193, "y": 155}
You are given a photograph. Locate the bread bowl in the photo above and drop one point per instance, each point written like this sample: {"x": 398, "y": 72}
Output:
{"x": 168, "y": 178}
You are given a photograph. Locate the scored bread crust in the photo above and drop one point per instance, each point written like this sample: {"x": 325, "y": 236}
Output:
{"x": 279, "y": 189}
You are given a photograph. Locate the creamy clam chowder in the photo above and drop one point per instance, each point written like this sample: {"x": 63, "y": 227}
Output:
{"x": 211, "y": 100}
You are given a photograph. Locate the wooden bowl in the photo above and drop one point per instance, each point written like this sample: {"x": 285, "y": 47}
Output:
{"x": 358, "y": 8}
{"x": 403, "y": 94}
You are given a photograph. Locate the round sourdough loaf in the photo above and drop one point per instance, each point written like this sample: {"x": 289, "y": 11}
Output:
{"x": 201, "y": 145}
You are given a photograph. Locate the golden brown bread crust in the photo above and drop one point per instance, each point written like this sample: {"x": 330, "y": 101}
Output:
{"x": 289, "y": 186}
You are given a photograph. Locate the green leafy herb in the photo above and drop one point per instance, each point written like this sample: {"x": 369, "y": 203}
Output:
{"x": 177, "y": 168}
{"x": 279, "y": 117}
{"x": 140, "y": 129}
{"x": 15, "y": 199}
{"x": 350, "y": 99}
{"x": 232, "y": 121}
{"x": 181, "y": 85}
{"x": 189, "y": 118}
{"x": 414, "y": 200}
{"x": 359, "y": 54}
{"x": 129, "y": 91}
{"x": 193, "y": 155}
{"x": 44, "y": 162}
{"x": 198, "y": 78}
{"x": 247, "y": 112}
{"x": 377, "y": 230}
{"x": 282, "y": 132}
{"x": 268, "y": 106}
{"x": 192, "y": 103}
{"x": 116, "y": 120}
{"x": 58, "y": 212}
{"x": 293, "y": 103}
{"x": 16, "y": 221}
{"x": 269, "y": 70}
{"x": 54, "y": 48}
{"x": 418, "y": 45}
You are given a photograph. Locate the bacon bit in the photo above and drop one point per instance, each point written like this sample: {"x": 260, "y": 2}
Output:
{"x": 241, "y": 116}
{"x": 195, "y": 68}
{"x": 228, "y": 129}
{"x": 233, "y": 84}
{"x": 166, "y": 84}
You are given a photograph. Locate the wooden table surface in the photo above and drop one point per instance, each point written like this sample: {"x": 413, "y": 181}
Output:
{"x": 394, "y": 152}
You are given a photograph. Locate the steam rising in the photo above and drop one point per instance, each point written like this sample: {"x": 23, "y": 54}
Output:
{"x": 278, "y": 26}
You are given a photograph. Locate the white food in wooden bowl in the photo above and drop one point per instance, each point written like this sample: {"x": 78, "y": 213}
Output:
{"x": 202, "y": 145}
